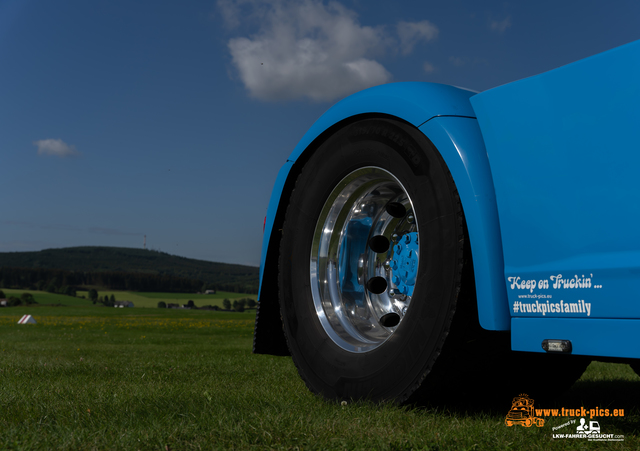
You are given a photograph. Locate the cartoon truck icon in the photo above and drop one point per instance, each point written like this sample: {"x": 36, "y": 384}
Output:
{"x": 592, "y": 428}
{"x": 522, "y": 413}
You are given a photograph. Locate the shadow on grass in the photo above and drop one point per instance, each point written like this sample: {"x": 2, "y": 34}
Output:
{"x": 609, "y": 394}
{"x": 602, "y": 394}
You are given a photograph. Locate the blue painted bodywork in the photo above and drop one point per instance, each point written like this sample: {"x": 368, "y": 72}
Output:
{"x": 460, "y": 144}
{"x": 563, "y": 149}
{"x": 546, "y": 172}
{"x": 355, "y": 240}
{"x": 593, "y": 336}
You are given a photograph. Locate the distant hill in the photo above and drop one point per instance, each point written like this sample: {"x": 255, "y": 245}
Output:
{"x": 98, "y": 259}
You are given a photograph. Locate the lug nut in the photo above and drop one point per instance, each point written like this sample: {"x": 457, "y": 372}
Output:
{"x": 377, "y": 285}
{"x": 379, "y": 244}
{"x": 390, "y": 319}
{"x": 396, "y": 209}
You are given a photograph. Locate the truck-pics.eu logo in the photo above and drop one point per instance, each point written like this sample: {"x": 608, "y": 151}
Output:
{"x": 522, "y": 413}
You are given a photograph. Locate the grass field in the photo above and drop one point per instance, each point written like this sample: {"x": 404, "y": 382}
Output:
{"x": 98, "y": 378}
{"x": 147, "y": 300}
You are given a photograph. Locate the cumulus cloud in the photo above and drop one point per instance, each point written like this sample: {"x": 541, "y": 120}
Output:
{"x": 229, "y": 12}
{"x": 234, "y": 12}
{"x": 411, "y": 33}
{"x": 457, "y": 61}
{"x": 500, "y": 26}
{"x": 55, "y": 147}
{"x": 428, "y": 67}
{"x": 305, "y": 49}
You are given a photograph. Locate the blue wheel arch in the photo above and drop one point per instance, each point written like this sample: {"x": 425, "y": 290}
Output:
{"x": 444, "y": 114}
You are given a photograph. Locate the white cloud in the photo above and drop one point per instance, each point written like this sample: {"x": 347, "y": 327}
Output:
{"x": 232, "y": 11}
{"x": 305, "y": 49}
{"x": 311, "y": 48}
{"x": 428, "y": 67}
{"x": 411, "y": 33}
{"x": 500, "y": 26}
{"x": 457, "y": 61}
{"x": 229, "y": 11}
{"x": 55, "y": 147}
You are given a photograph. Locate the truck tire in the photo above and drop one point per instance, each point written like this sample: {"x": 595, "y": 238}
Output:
{"x": 370, "y": 262}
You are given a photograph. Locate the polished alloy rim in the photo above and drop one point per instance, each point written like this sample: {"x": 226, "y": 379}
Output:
{"x": 364, "y": 259}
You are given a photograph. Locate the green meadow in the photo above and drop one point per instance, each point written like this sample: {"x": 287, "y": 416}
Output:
{"x": 95, "y": 378}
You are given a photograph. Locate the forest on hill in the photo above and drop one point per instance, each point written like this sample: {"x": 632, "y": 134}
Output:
{"x": 119, "y": 268}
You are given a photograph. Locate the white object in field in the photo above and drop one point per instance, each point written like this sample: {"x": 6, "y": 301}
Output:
{"x": 27, "y": 319}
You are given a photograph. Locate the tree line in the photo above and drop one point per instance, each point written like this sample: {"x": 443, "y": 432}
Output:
{"x": 108, "y": 301}
{"x": 239, "y": 305}
{"x": 67, "y": 282}
{"x": 14, "y": 301}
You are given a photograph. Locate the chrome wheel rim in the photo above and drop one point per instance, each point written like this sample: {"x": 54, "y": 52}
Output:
{"x": 364, "y": 259}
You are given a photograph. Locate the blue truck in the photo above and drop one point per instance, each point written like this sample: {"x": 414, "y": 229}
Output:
{"x": 422, "y": 235}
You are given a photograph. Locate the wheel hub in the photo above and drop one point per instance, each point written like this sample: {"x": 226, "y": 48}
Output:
{"x": 405, "y": 263}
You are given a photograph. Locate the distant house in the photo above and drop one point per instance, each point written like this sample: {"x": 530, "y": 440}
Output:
{"x": 122, "y": 304}
{"x": 173, "y": 306}
{"x": 3, "y": 302}
{"x": 210, "y": 292}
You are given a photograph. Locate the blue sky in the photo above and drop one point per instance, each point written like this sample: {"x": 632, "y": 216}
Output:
{"x": 120, "y": 119}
